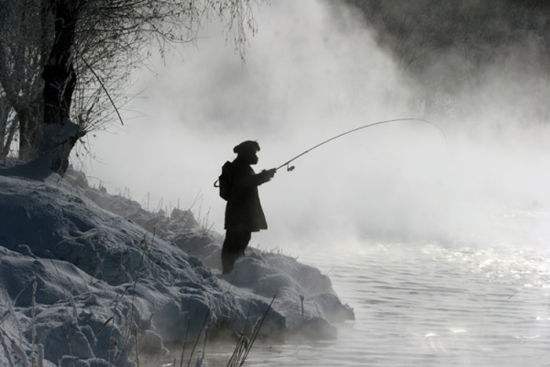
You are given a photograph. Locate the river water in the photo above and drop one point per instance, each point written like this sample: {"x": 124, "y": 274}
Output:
{"x": 429, "y": 304}
{"x": 426, "y": 305}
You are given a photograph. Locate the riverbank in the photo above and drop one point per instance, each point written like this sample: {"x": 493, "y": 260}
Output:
{"x": 90, "y": 276}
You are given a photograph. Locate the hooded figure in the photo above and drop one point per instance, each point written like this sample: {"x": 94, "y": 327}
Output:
{"x": 243, "y": 213}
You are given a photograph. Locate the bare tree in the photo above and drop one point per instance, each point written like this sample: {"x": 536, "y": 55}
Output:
{"x": 20, "y": 67}
{"x": 60, "y": 58}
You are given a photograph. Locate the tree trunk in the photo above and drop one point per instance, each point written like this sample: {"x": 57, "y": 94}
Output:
{"x": 29, "y": 136}
{"x": 60, "y": 134}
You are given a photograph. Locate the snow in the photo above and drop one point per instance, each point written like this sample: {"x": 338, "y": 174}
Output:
{"x": 85, "y": 271}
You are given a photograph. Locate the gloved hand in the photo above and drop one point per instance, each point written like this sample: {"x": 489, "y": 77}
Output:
{"x": 268, "y": 174}
{"x": 271, "y": 172}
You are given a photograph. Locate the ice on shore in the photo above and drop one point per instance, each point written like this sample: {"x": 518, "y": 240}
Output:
{"x": 82, "y": 272}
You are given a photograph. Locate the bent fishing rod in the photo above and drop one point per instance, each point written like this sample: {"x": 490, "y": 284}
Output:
{"x": 351, "y": 131}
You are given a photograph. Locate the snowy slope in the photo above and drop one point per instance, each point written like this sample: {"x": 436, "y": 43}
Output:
{"x": 78, "y": 280}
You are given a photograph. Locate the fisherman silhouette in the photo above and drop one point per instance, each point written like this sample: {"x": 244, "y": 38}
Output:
{"x": 243, "y": 212}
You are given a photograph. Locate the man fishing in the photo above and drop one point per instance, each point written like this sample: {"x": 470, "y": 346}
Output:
{"x": 243, "y": 213}
{"x": 238, "y": 185}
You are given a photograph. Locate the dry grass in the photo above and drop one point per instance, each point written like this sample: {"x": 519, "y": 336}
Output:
{"x": 217, "y": 355}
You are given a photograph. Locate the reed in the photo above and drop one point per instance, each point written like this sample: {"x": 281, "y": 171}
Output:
{"x": 245, "y": 343}
{"x": 203, "y": 328}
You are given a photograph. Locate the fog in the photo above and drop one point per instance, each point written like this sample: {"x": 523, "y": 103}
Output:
{"x": 312, "y": 71}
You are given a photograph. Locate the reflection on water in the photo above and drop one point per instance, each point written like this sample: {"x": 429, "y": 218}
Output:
{"x": 430, "y": 306}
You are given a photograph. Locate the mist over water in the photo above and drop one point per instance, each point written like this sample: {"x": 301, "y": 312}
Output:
{"x": 312, "y": 71}
{"x": 440, "y": 245}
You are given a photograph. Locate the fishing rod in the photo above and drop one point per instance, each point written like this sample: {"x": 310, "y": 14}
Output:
{"x": 351, "y": 131}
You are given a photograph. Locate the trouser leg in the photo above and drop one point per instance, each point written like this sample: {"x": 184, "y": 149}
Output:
{"x": 233, "y": 247}
{"x": 243, "y": 243}
{"x": 228, "y": 254}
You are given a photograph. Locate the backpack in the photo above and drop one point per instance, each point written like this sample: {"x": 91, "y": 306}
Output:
{"x": 225, "y": 181}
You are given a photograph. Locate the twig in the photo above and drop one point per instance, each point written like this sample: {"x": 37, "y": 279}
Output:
{"x": 184, "y": 341}
{"x": 204, "y": 345}
{"x": 257, "y": 330}
{"x": 104, "y": 326}
{"x": 240, "y": 347}
{"x": 198, "y": 337}
{"x": 103, "y": 87}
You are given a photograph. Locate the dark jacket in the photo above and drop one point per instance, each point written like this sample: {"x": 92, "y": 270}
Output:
{"x": 244, "y": 211}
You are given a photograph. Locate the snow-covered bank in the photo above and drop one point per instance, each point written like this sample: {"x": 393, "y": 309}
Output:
{"x": 84, "y": 272}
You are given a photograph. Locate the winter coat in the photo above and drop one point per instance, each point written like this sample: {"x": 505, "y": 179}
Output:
{"x": 244, "y": 210}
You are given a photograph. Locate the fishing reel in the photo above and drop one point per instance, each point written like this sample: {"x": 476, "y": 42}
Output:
{"x": 287, "y": 165}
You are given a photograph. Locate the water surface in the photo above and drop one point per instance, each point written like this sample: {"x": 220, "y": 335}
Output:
{"x": 426, "y": 305}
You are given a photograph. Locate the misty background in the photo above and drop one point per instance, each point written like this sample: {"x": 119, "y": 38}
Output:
{"x": 316, "y": 68}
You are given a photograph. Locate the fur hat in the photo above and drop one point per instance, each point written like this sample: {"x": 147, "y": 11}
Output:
{"x": 248, "y": 146}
